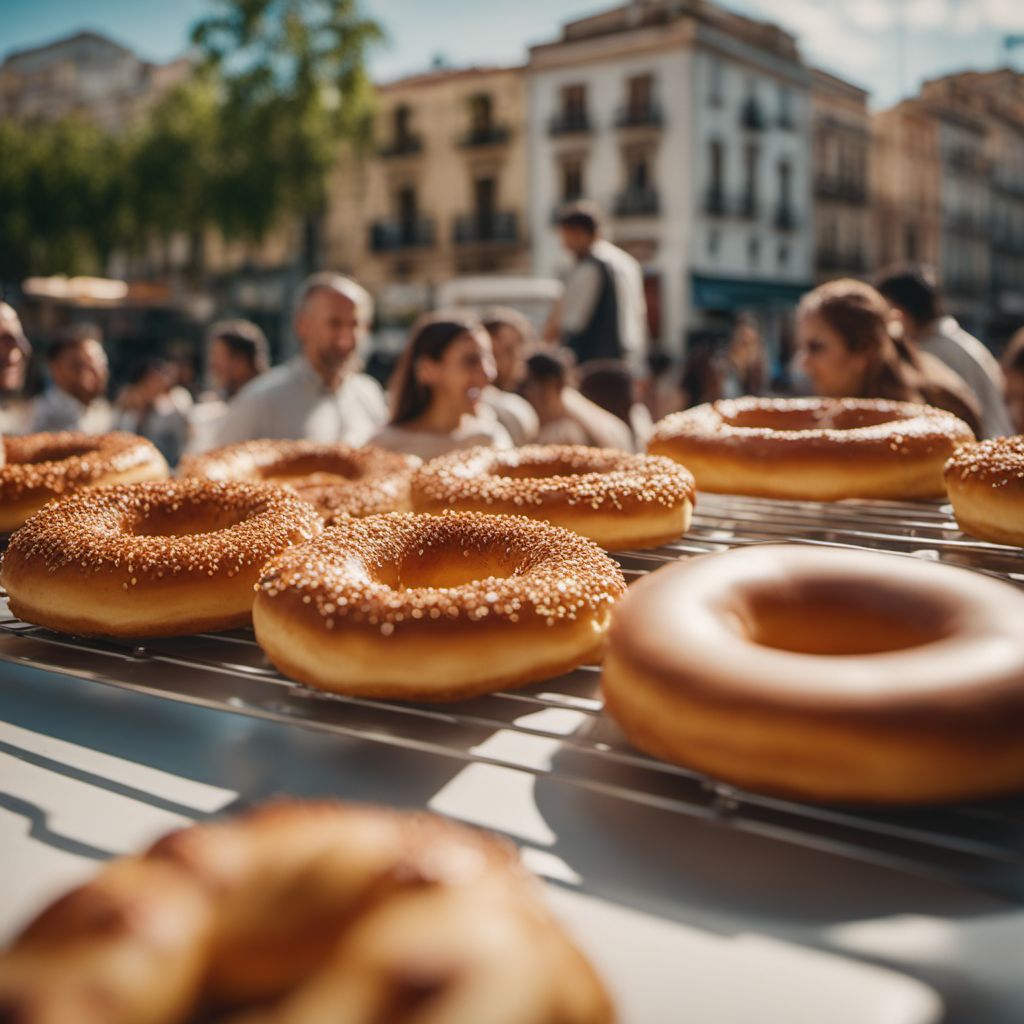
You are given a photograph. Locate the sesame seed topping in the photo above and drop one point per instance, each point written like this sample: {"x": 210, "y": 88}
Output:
{"x": 378, "y": 570}
{"x": 998, "y": 462}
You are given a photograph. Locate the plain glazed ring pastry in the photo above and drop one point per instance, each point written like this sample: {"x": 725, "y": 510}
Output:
{"x": 39, "y": 467}
{"x": 985, "y": 483}
{"x": 337, "y": 479}
{"x": 421, "y": 607}
{"x": 813, "y": 449}
{"x": 157, "y": 559}
{"x": 825, "y": 674}
{"x": 304, "y": 914}
{"x": 618, "y": 500}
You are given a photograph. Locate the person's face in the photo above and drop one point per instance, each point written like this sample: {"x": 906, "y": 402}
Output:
{"x": 458, "y": 378}
{"x": 1015, "y": 398}
{"x": 329, "y": 327}
{"x": 576, "y": 240}
{"x": 153, "y": 385}
{"x": 81, "y": 371}
{"x": 835, "y": 371}
{"x": 509, "y": 364}
{"x": 14, "y": 351}
{"x": 229, "y": 370}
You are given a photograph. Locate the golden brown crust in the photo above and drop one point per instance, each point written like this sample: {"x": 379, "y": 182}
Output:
{"x": 825, "y": 674}
{"x": 338, "y": 479}
{"x": 985, "y": 483}
{"x": 39, "y": 467}
{"x": 818, "y": 449}
{"x": 372, "y": 598}
{"x": 154, "y": 559}
{"x": 304, "y": 913}
{"x": 617, "y": 499}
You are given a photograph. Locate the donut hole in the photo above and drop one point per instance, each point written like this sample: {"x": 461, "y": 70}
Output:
{"x": 820, "y": 620}
{"x": 185, "y": 521}
{"x": 56, "y": 453}
{"x": 538, "y": 470}
{"x": 808, "y": 419}
{"x": 311, "y": 469}
{"x": 441, "y": 567}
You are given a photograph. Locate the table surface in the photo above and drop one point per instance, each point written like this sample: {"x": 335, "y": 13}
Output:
{"x": 688, "y": 916}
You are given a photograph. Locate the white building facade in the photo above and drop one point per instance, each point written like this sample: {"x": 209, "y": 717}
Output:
{"x": 690, "y": 127}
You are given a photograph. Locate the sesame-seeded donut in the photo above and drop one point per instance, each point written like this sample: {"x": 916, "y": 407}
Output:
{"x": 337, "y": 479}
{"x": 39, "y": 467}
{"x": 422, "y": 607}
{"x": 985, "y": 483}
{"x": 813, "y": 449}
{"x": 618, "y": 500}
{"x": 154, "y": 559}
{"x": 825, "y": 674}
{"x": 305, "y": 913}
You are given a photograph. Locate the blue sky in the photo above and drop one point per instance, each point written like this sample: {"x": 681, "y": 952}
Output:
{"x": 859, "y": 39}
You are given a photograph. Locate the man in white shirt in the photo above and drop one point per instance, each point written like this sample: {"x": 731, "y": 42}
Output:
{"x": 913, "y": 293}
{"x": 603, "y": 312}
{"x": 79, "y": 373}
{"x": 317, "y": 395}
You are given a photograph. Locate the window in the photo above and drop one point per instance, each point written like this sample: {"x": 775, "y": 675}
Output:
{"x": 786, "y": 116}
{"x": 751, "y": 160}
{"x": 716, "y": 82}
{"x": 485, "y": 191}
{"x": 714, "y": 242}
{"x": 401, "y": 118}
{"x": 574, "y": 102}
{"x": 638, "y": 170}
{"x": 480, "y": 113}
{"x": 406, "y": 208}
{"x": 639, "y": 98}
{"x": 716, "y": 176}
{"x": 572, "y": 179}
{"x": 783, "y": 255}
{"x": 754, "y": 250}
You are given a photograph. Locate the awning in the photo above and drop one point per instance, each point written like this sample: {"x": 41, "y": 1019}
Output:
{"x": 744, "y": 293}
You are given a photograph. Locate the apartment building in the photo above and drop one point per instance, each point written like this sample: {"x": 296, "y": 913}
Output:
{"x": 442, "y": 193}
{"x": 841, "y": 146}
{"x": 689, "y": 126}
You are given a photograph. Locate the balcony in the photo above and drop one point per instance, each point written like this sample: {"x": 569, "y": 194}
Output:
{"x": 637, "y": 115}
{"x": 395, "y": 235}
{"x": 486, "y": 229}
{"x": 404, "y": 145}
{"x": 485, "y": 135}
{"x": 752, "y": 116}
{"x": 845, "y": 190}
{"x": 785, "y": 218}
{"x": 715, "y": 204}
{"x": 569, "y": 122}
{"x": 636, "y": 202}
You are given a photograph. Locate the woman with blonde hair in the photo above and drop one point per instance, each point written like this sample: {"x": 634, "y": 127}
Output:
{"x": 437, "y": 389}
{"x": 850, "y": 345}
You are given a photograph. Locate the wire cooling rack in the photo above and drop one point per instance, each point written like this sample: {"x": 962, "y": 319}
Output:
{"x": 557, "y": 728}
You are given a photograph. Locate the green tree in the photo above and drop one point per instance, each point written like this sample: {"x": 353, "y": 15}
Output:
{"x": 294, "y": 81}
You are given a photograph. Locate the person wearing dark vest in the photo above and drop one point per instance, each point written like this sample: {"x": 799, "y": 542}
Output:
{"x": 603, "y": 313}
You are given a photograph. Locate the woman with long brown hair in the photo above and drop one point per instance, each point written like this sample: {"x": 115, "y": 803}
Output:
{"x": 437, "y": 387}
{"x": 850, "y": 345}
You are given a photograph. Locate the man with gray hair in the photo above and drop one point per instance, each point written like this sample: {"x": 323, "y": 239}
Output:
{"x": 317, "y": 395}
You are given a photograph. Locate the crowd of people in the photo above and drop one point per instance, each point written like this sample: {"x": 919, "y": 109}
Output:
{"x": 492, "y": 379}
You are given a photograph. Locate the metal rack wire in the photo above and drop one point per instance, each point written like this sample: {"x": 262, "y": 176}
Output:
{"x": 560, "y": 730}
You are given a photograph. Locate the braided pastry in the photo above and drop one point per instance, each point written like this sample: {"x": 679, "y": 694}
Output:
{"x": 301, "y": 914}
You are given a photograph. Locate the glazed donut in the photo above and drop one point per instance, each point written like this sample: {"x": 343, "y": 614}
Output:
{"x": 304, "y": 913}
{"x": 813, "y": 449}
{"x": 155, "y": 559}
{"x": 421, "y": 607}
{"x": 985, "y": 483}
{"x": 39, "y": 467}
{"x": 337, "y": 479}
{"x": 618, "y": 500}
{"x": 825, "y": 674}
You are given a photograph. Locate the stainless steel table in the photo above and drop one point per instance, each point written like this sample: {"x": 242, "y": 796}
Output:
{"x": 697, "y": 902}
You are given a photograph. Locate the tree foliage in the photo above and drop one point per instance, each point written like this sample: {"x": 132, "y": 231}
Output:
{"x": 248, "y": 139}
